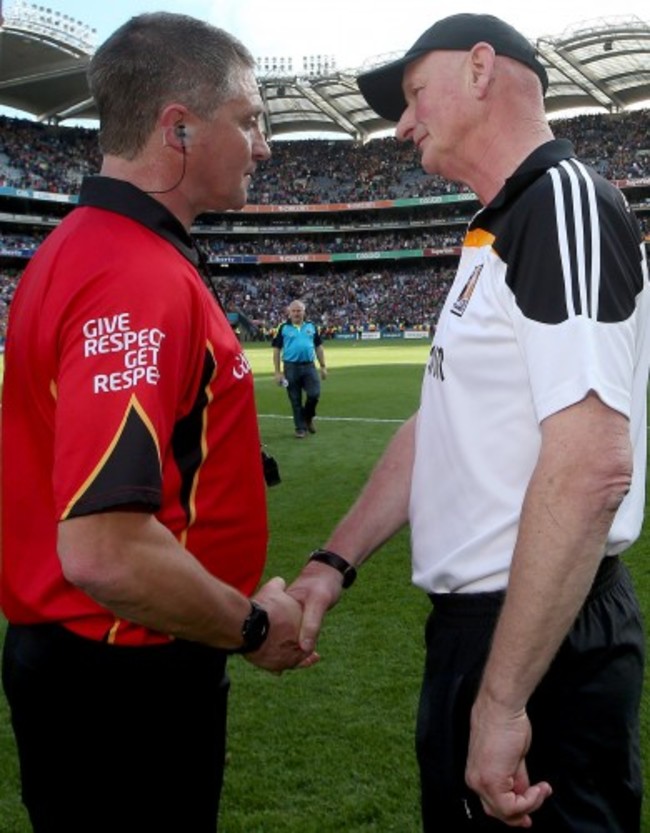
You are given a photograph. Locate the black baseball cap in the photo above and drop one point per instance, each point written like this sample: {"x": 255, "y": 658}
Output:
{"x": 382, "y": 86}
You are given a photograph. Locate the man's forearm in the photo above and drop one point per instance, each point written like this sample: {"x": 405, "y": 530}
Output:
{"x": 132, "y": 565}
{"x": 381, "y": 509}
{"x": 379, "y": 512}
{"x": 549, "y": 580}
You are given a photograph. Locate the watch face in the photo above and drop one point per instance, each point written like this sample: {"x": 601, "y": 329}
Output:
{"x": 255, "y": 628}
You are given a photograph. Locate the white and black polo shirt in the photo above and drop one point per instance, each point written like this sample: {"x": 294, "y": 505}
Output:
{"x": 551, "y": 300}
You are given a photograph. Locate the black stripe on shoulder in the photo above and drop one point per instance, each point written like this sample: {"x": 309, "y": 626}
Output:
{"x": 187, "y": 435}
{"x": 572, "y": 247}
{"x": 278, "y": 338}
{"x": 528, "y": 244}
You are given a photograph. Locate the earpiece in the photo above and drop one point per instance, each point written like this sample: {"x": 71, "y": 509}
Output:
{"x": 173, "y": 135}
{"x": 178, "y": 136}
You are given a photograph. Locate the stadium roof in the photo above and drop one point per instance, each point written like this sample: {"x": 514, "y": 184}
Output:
{"x": 603, "y": 64}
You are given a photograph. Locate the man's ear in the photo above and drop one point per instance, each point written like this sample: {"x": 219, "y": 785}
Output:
{"x": 176, "y": 132}
{"x": 482, "y": 61}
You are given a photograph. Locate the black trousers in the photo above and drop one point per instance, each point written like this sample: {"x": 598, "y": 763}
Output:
{"x": 584, "y": 714}
{"x": 116, "y": 739}
{"x": 302, "y": 376}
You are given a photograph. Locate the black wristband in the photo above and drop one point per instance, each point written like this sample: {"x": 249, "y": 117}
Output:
{"x": 330, "y": 558}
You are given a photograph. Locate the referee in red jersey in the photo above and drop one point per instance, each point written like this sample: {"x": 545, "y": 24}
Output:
{"x": 135, "y": 525}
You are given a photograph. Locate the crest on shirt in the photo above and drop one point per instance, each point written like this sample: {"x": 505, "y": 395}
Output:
{"x": 460, "y": 304}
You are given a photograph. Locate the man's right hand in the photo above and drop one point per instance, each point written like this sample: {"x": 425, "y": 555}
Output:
{"x": 281, "y": 650}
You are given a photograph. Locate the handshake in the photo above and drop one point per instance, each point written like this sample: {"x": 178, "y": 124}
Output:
{"x": 295, "y": 616}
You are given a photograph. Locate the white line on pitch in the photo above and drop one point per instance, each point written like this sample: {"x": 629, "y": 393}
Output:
{"x": 331, "y": 419}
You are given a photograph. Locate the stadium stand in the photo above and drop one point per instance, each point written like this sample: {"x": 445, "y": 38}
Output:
{"x": 352, "y": 226}
{"x": 592, "y": 64}
{"x": 358, "y": 231}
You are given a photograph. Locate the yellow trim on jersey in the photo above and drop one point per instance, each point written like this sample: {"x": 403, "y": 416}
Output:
{"x": 204, "y": 448}
{"x": 477, "y": 238}
{"x": 112, "y": 634}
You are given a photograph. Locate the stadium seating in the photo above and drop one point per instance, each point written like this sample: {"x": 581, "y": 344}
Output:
{"x": 358, "y": 231}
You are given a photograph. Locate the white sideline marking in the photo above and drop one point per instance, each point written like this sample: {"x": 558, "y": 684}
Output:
{"x": 341, "y": 419}
{"x": 332, "y": 419}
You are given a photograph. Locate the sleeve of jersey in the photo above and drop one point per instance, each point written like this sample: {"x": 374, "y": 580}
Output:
{"x": 574, "y": 279}
{"x": 125, "y": 351}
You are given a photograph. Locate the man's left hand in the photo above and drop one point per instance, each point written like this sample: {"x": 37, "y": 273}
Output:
{"x": 316, "y": 589}
{"x": 496, "y": 764}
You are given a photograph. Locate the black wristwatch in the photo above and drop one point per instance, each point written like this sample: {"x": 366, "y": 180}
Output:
{"x": 254, "y": 630}
{"x": 336, "y": 561}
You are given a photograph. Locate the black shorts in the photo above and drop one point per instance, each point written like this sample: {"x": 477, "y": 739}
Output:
{"x": 584, "y": 714}
{"x": 116, "y": 738}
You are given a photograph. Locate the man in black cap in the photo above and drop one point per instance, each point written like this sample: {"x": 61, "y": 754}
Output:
{"x": 522, "y": 473}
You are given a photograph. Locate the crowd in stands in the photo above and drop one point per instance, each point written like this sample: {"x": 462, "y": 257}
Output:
{"x": 19, "y": 243}
{"x": 49, "y": 158}
{"x": 45, "y": 157}
{"x": 331, "y": 243}
{"x": 394, "y": 298}
{"x": 8, "y": 281}
{"x": 322, "y": 171}
{"x": 22, "y": 244}
{"x": 54, "y": 159}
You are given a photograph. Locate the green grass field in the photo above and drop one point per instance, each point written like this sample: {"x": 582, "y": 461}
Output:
{"x": 330, "y": 749}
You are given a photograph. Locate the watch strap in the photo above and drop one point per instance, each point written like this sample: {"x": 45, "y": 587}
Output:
{"x": 254, "y": 630}
{"x": 336, "y": 561}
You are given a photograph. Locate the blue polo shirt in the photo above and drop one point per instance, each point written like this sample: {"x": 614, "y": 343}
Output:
{"x": 297, "y": 343}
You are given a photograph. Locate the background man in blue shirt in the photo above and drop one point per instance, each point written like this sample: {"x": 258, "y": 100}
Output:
{"x": 297, "y": 343}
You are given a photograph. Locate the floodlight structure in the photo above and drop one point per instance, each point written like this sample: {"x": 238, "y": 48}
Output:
{"x": 41, "y": 20}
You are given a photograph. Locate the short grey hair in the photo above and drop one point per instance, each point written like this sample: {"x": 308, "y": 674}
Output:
{"x": 155, "y": 59}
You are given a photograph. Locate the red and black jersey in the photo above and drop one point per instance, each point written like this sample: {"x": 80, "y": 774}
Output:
{"x": 124, "y": 386}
